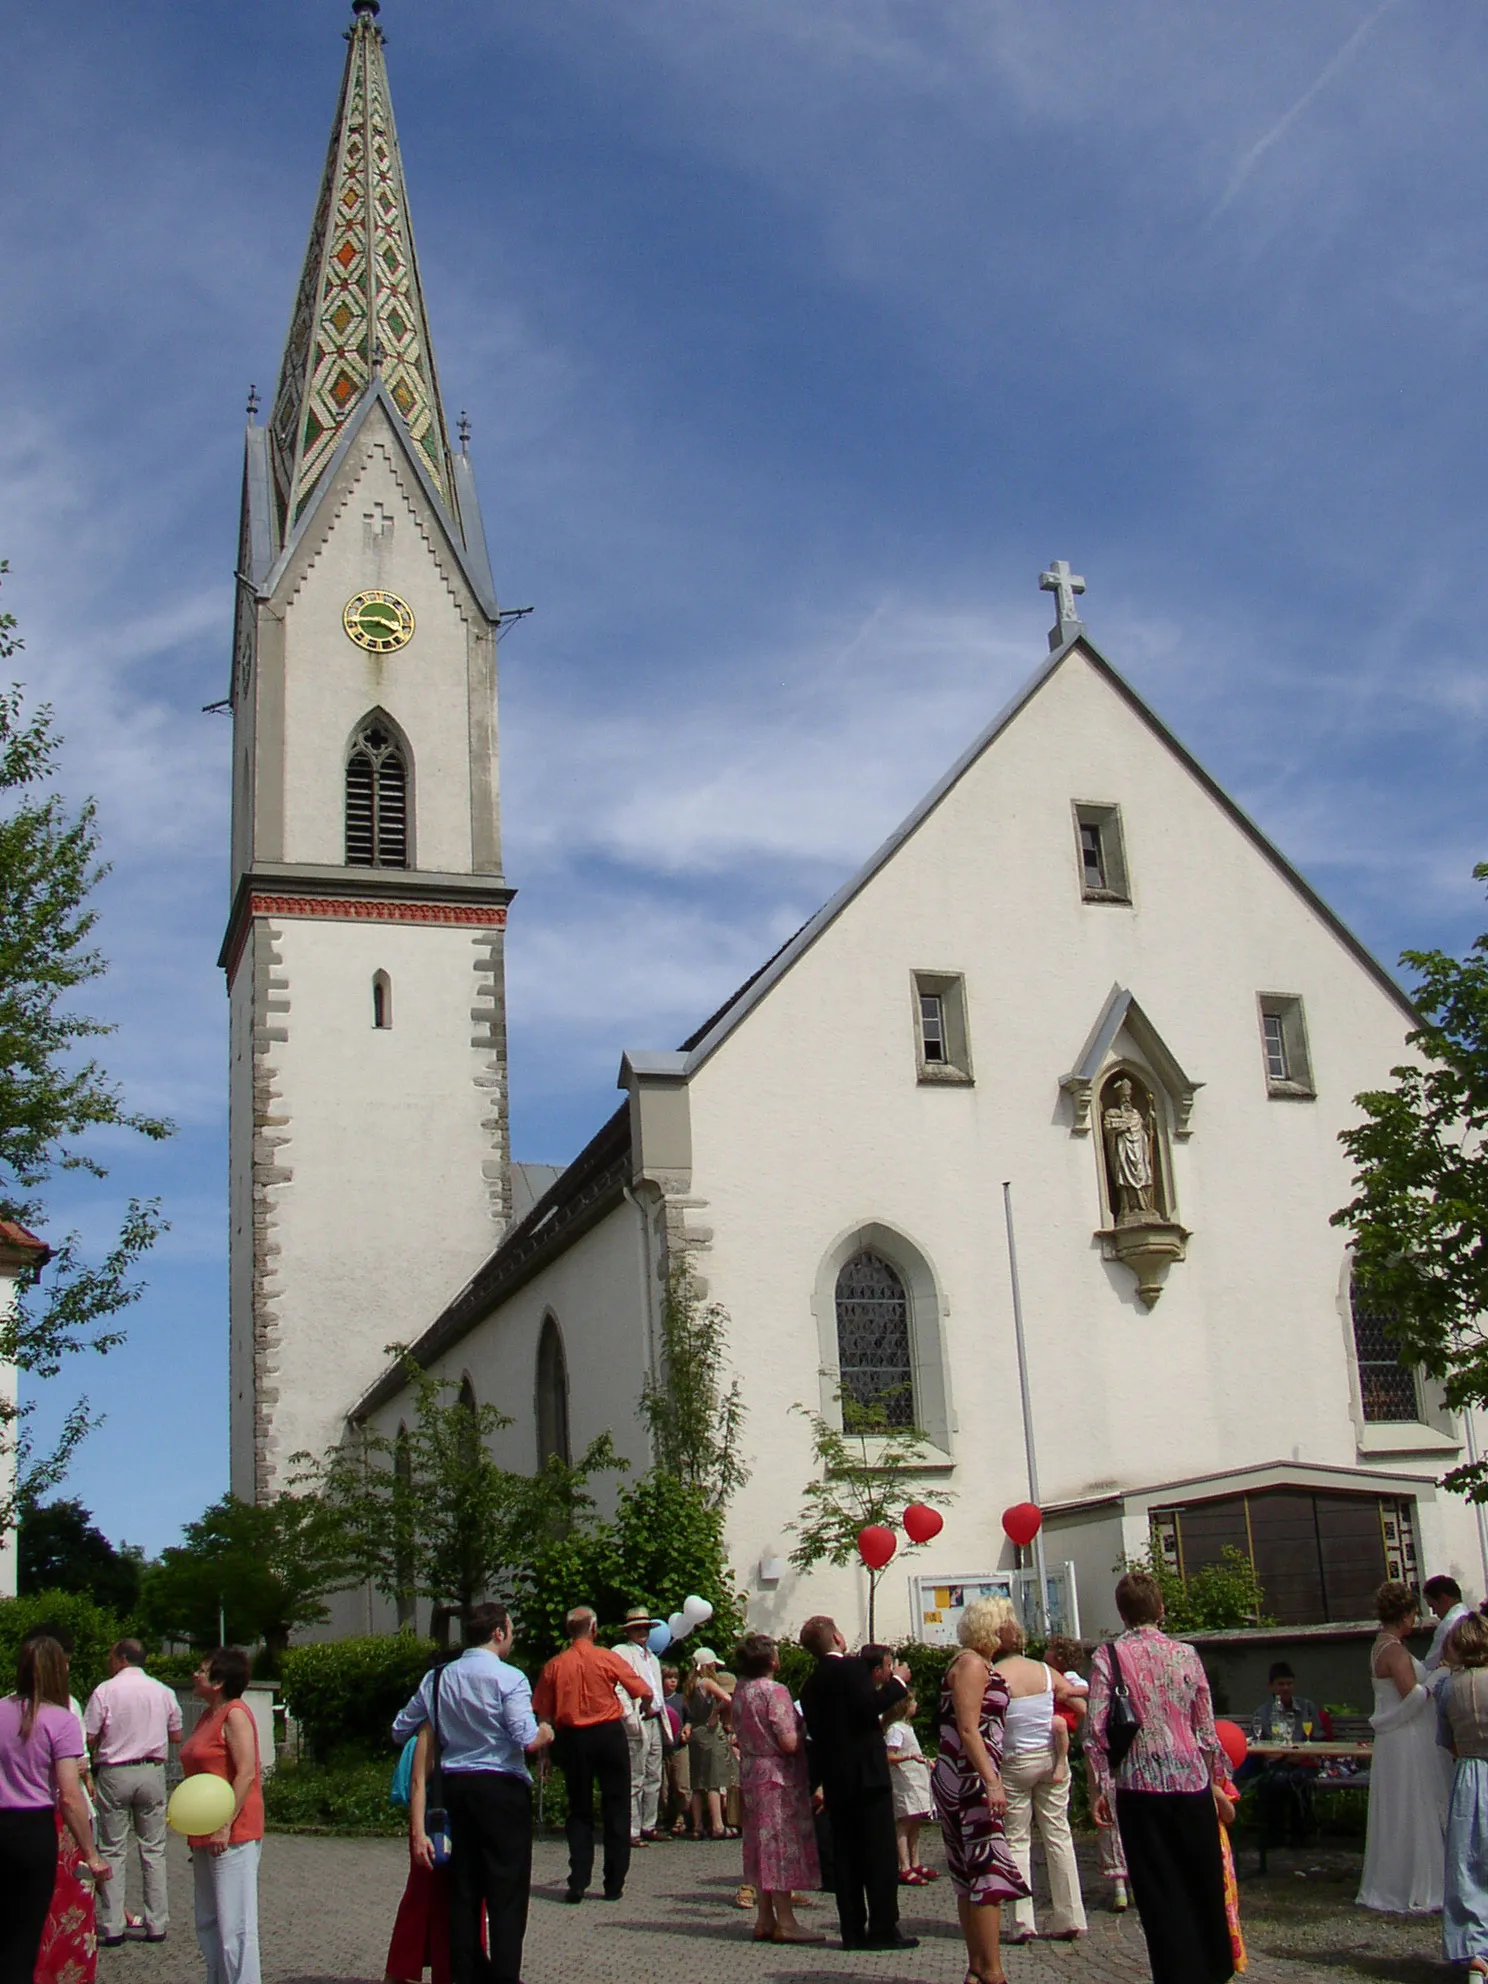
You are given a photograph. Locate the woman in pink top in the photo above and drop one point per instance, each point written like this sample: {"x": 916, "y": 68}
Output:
{"x": 40, "y": 1748}
{"x": 1166, "y": 1789}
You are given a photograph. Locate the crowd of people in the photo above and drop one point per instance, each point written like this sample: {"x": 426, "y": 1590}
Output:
{"x": 828, "y": 1791}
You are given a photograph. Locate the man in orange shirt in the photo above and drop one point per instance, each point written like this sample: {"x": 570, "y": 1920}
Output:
{"x": 576, "y": 1693}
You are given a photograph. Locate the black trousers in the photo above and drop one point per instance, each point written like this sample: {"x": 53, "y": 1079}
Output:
{"x": 598, "y": 1755}
{"x": 865, "y": 1862}
{"x": 28, "y": 1873}
{"x": 490, "y": 1816}
{"x": 1171, "y": 1841}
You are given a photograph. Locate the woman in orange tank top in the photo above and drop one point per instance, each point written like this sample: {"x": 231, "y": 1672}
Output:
{"x": 225, "y": 1863}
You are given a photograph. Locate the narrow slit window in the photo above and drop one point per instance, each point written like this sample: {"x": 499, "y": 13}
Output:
{"x": 382, "y": 1001}
{"x": 1284, "y": 1048}
{"x": 1277, "y": 1067}
{"x": 1100, "y": 847}
{"x": 942, "y": 1044}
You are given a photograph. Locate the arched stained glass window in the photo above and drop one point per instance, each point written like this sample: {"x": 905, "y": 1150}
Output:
{"x": 873, "y": 1353}
{"x": 552, "y": 1395}
{"x": 1387, "y": 1385}
{"x": 376, "y": 800}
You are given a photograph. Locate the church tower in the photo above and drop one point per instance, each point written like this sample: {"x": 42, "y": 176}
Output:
{"x": 369, "y": 1159}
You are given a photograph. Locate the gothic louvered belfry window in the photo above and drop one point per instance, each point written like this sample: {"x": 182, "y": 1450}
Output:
{"x": 873, "y": 1338}
{"x": 1387, "y": 1385}
{"x": 376, "y": 800}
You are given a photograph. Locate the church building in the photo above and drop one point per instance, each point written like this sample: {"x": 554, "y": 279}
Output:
{"x": 1077, "y": 969}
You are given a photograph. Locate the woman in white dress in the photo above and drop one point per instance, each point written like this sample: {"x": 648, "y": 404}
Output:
{"x": 1409, "y": 1776}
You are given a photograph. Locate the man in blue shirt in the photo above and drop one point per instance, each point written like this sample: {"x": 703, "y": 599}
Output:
{"x": 486, "y": 1733}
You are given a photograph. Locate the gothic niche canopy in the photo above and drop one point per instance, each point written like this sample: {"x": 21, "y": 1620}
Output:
{"x": 1132, "y": 1105}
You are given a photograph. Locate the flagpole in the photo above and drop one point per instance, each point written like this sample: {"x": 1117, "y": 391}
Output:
{"x": 1041, "y": 1601}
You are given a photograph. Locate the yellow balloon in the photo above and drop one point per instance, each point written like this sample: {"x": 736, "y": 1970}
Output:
{"x": 200, "y": 1805}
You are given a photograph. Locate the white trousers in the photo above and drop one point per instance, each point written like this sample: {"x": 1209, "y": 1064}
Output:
{"x": 1027, "y": 1781}
{"x": 644, "y": 1739}
{"x": 227, "y": 1911}
{"x": 132, "y": 1797}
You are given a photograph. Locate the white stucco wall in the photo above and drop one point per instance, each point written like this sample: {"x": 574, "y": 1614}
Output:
{"x": 809, "y": 1121}
{"x": 387, "y": 1213}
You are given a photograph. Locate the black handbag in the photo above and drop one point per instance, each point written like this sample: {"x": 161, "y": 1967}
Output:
{"x": 1122, "y": 1721}
{"x": 436, "y": 1818}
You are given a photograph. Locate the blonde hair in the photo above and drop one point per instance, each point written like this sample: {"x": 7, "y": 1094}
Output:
{"x": 1467, "y": 1643}
{"x": 980, "y": 1625}
{"x": 902, "y": 1711}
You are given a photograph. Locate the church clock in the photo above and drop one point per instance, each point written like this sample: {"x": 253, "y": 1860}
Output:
{"x": 378, "y": 621}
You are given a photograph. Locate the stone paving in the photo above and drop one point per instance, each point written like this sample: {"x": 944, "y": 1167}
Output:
{"x": 327, "y": 1907}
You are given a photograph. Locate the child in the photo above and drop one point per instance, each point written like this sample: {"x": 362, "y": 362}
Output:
{"x": 1061, "y": 1655}
{"x": 910, "y": 1776}
{"x": 1066, "y": 1656}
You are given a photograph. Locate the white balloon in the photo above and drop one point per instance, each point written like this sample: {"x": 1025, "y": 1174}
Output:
{"x": 696, "y": 1611}
{"x": 680, "y": 1626}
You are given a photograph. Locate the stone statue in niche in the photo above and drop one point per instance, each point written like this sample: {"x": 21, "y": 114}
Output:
{"x": 1142, "y": 1235}
{"x": 1131, "y": 1170}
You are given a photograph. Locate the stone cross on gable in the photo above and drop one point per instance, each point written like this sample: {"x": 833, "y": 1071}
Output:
{"x": 1063, "y": 583}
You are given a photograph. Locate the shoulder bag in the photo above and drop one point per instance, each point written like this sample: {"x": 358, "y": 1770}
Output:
{"x": 436, "y": 1818}
{"x": 1122, "y": 1721}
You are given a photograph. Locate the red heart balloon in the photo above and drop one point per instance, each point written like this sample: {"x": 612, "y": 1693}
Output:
{"x": 921, "y": 1522}
{"x": 1022, "y": 1522}
{"x": 1233, "y": 1742}
{"x": 876, "y": 1545}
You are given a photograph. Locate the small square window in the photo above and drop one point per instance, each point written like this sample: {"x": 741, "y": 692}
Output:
{"x": 1102, "y": 853}
{"x": 942, "y": 1045}
{"x": 1284, "y": 1046}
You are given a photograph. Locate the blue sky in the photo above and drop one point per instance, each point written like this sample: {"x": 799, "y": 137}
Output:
{"x": 796, "y": 337}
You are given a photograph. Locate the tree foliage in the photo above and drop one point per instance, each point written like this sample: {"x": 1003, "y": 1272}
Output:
{"x": 53, "y": 1094}
{"x": 429, "y": 1514}
{"x": 1214, "y": 1599}
{"x": 1419, "y": 1215}
{"x": 253, "y": 1570}
{"x": 864, "y": 1469}
{"x": 61, "y": 1549}
{"x": 696, "y": 1420}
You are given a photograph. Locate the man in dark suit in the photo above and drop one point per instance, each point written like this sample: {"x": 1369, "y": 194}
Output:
{"x": 843, "y": 1706}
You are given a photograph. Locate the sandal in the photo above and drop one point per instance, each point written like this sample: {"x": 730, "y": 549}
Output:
{"x": 911, "y": 1877}
{"x": 927, "y": 1873}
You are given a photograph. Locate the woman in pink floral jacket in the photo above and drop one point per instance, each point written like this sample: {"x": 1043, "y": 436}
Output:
{"x": 1165, "y": 1794}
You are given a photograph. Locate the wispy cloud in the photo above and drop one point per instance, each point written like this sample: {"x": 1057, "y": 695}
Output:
{"x": 1252, "y": 157}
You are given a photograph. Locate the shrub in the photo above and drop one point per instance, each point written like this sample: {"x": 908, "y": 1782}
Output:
{"x": 345, "y": 1693}
{"x": 93, "y": 1630}
{"x": 342, "y": 1798}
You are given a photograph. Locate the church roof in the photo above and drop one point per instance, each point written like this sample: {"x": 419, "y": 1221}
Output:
{"x": 359, "y": 311}
{"x": 699, "y": 1046}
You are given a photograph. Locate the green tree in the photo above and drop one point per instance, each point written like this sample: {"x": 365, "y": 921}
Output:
{"x": 1214, "y": 1599}
{"x": 864, "y": 1470}
{"x": 53, "y": 1095}
{"x": 429, "y": 1513}
{"x": 257, "y": 1570}
{"x": 696, "y": 1420}
{"x": 1419, "y": 1215}
{"x": 61, "y": 1549}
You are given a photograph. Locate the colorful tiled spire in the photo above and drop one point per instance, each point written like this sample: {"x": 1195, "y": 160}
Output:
{"x": 360, "y": 307}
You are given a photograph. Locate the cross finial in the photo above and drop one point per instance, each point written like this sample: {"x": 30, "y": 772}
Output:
{"x": 252, "y": 404}
{"x": 464, "y": 432}
{"x": 1062, "y": 582}
{"x": 378, "y": 354}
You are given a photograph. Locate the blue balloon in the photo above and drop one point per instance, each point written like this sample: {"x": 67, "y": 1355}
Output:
{"x": 659, "y": 1638}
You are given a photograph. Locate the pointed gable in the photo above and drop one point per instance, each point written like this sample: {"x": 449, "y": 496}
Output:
{"x": 359, "y": 312}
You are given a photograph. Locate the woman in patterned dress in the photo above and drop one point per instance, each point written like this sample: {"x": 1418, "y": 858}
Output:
{"x": 779, "y": 1839}
{"x": 968, "y": 1788}
{"x": 69, "y": 1940}
{"x": 1167, "y": 1793}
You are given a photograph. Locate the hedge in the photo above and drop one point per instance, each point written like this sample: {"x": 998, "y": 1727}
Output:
{"x": 93, "y": 1630}
{"x": 341, "y": 1798}
{"x": 345, "y": 1693}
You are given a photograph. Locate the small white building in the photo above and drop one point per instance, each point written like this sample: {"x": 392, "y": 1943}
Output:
{"x": 1077, "y": 967}
{"x": 22, "y": 1255}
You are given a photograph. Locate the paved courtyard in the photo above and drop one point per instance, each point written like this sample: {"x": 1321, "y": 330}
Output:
{"x": 327, "y": 1907}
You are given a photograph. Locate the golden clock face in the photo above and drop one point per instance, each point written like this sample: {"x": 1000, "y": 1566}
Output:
{"x": 378, "y": 621}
